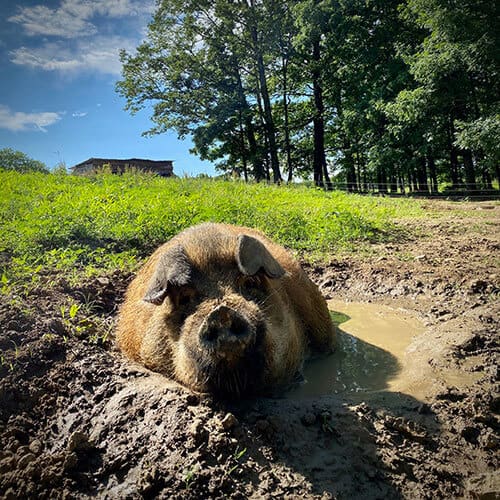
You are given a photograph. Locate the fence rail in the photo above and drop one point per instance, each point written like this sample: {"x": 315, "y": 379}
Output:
{"x": 457, "y": 192}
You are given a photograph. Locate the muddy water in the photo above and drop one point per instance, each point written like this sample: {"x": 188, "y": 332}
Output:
{"x": 371, "y": 345}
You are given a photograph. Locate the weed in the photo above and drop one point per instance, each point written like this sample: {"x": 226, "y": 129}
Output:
{"x": 326, "y": 424}
{"x": 74, "y": 325}
{"x": 237, "y": 455}
{"x": 16, "y": 349}
{"x": 101, "y": 338}
{"x": 190, "y": 474}
{"x": 4, "y": 282}
{"x": 9, "y": 364}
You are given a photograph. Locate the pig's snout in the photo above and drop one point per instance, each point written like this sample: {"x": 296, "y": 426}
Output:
{"x": 225, "y": 330}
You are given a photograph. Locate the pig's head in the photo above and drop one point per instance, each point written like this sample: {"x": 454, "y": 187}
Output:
{"x": 215, "y": 311}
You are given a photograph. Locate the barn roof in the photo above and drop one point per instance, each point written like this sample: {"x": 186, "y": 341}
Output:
{"x": 141, "y": 161}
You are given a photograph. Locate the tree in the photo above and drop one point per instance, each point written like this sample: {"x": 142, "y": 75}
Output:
{"x": 20, "y": 162}
{"x": 312, "y": 19}
{"x": 456, "y": 66}
{"x": 394, "y": 94}
{"x": 203, "y": 68}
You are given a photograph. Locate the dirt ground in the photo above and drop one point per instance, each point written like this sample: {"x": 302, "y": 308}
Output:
{"x": 77, "y": 420}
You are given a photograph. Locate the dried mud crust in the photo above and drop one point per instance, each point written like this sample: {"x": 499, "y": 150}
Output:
{"x": 79, "y": 421}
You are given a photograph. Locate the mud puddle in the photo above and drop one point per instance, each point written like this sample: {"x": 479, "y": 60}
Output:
{"x": 376, "y": 351}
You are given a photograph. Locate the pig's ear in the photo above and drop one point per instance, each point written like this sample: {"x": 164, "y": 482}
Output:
{"x": 173, "y": 270}
{"x": 252, "y": 256}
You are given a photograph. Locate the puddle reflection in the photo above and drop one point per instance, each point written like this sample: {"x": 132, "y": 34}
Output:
{"x": 371, "y": 343}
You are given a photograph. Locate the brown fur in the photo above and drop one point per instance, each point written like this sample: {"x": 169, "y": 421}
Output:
{"x": 280, "y": 318}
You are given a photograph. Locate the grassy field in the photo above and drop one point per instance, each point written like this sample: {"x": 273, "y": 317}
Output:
{"x": 92, "y": 225}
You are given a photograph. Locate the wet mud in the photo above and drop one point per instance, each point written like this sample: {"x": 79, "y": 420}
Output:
{"x": 372, "y": 341}
{"x": 77, "y": 420}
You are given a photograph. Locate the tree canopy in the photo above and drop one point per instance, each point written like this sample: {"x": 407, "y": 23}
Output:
{"x": 401, "y": 95}
{"x": 20, "y": 162}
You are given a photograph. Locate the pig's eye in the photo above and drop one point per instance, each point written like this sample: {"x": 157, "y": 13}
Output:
{"x": 251, "y": 283}
{"x": 184, "y": 297}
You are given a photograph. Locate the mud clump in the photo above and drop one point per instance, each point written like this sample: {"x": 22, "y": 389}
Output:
{"x": 78, "y": 420}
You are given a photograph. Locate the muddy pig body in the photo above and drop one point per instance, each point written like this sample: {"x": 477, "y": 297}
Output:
{"x": 223, "y": 309}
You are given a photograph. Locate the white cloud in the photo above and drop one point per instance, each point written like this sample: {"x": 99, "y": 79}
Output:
{"x": 40, "y": 20}
{"x": 79, "y": 114}
{"x": 77, "y": 36}
{"x": 20, "y": 121}
{"x": 99, "y": 54}
{"x": 72, "y": 19}
{"x": 110, "y": 8}
{"x": 50, "y": 57}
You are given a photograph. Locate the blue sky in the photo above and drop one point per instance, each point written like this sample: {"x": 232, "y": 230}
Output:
{"x": 59, "y": 64}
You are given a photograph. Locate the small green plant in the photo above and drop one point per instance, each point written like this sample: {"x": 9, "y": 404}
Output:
{"x": 326, "y": 424}
{"x": 4, "y": 283}
{"x": 16, "y": 349}
{"x": 102, "y": 333}
{"x": 237, "y": 456}
{"x": 9, "y": 364}
{"x": 72, "y": 323}
{"x": 190, "y": 474}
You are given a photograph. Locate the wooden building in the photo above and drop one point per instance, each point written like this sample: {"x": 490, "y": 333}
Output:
{"x": 164, "y": 168}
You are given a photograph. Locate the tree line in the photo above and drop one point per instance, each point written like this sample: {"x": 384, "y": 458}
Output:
{"x": 400, "y": 95}
{"x": 18, "y": 161}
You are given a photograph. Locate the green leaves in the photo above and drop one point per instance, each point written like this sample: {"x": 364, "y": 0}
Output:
{"x": 481, "y": 135}
{"x": 19, "y": 162}
{"x": 455, "y": 69}
{"x": 397, "y": 91}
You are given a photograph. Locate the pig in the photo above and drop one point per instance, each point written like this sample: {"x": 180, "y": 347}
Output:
{"x": 222, "y": 309}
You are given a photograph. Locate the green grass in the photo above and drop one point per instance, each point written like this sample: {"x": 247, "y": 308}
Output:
{"x": 95, "y": 224}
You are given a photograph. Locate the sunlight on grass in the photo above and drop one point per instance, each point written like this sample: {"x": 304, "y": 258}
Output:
{"x": 95, "y": 224}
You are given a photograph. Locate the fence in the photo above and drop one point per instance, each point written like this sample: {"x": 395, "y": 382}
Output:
{"x": 457, "y": 192}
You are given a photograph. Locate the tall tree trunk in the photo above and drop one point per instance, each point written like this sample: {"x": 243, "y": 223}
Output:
{"x": 454, "y": 174}
{"x": 401, "y": 182}
{"x": 484, "y": 170}
{"x": 358, "y": 170}
{"x": 268, "y": 116}
{"x": 381, "y": 179}
{"x": 287, "y": 121}
{"x": 410, "y": 187}
{"x": 269, "y": 123}
{"x": 470, "y": 171}
{"x": 319, "y": 162}
{"x": 254, "y": 154}
{"x": 262, "y": 125}
{"x": 350, "y": 169}
{"x": 394, "y": 183}
{"x": 365, "y": 174}
{"x": 487, "y": 181}
{"x": 255, "y": 157}
{"x": 353, "y": 178}
{"x": 423, "y": 185}
{"x": 244, "y": 154}
{"x": 432, "y": 173}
